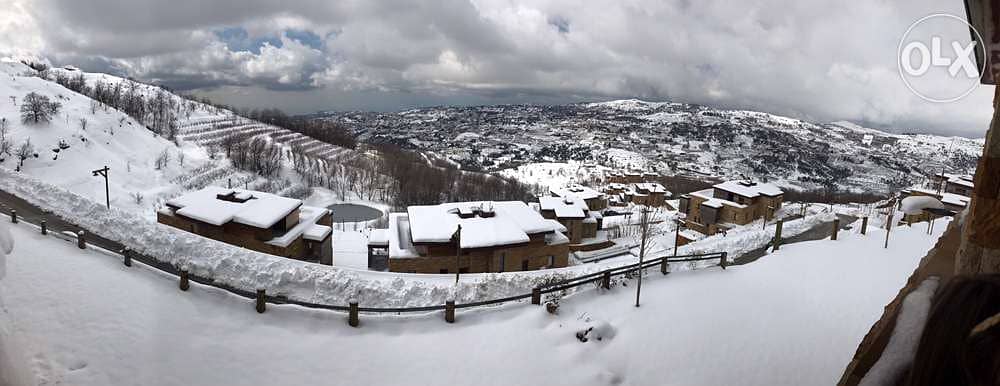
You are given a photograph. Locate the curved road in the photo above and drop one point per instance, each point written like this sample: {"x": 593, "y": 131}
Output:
{"x": 819, "y": 232}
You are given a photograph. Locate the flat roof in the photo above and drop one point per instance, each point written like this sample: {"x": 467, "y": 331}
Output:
{"x": 568, "y": 207}
{"x": 579, "y": 191}
{"x": 751, "y": 189}
{"x": 260, "y": 210}
{"x": 511, "y": 222}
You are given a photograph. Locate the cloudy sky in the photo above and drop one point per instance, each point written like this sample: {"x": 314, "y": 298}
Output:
{"x": 821, "y": 60}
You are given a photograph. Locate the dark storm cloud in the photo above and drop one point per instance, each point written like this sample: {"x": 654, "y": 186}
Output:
{"x": 821, "y": 60}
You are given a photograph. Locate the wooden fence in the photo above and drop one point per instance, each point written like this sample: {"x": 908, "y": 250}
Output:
{"x": 261, "y": 298}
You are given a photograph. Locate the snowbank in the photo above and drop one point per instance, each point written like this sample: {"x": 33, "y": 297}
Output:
{"x": 249, "y": 270}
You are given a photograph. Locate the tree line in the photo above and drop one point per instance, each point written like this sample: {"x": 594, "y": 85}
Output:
{"x": 158, "y": 110}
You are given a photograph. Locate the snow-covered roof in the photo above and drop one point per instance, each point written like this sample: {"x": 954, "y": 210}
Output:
{"x": 961, "y": 181}
{"x": 946, "y": 198}
{"x": 713, "y": 202}
{"x": 954, "y": 199}
{"x": 578, "y": 191}
{"x": 569, "y": 207}
{"x": 258, "y": 209}
{"x": 750, "y": 190}
{"x": 308, "y": 216}
{"x": 652, "y": 187}
{"x": 378, "y": 237}
{"x": 511, "y": 222}
{"x": 316, "y": 232}
{"x": 556, "y": 238}
{"x": 400, "y": 245}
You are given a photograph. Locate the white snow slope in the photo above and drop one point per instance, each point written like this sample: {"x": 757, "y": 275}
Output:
{"x": 793, "y": 318}
{"x": 111, "y": 138}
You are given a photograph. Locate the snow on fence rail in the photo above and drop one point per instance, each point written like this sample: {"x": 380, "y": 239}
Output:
{"x": 602, "y": 278}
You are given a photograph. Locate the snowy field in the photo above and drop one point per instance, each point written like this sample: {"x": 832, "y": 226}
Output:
{"x": 793, "y": 318}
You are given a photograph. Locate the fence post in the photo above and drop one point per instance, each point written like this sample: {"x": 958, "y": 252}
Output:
{"x": 864, "y": 225}
{"x": 664, "y": 266}
{"x": 777, "y": 235}
{"x": 127, "y": 257}
{"x": 81, "y": 240}
{"x": 449, "y": 311}
{"x": 352, "y": 316}
{"x": 13, "y": 216}
{"x": 536, "y": 295}
{"x": 184, "y": 284}
{"x": 836, "y": 227}
{"x": 261, "y": 300}
{"x": 606, "y": 280}
{"x": 723, "y": 260}
{"x": 45, "y": 229}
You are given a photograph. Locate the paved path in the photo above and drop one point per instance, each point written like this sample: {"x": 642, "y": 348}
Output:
{"x": 819, "y": 232}
{"x": 28, "y": 212}
{"x": 33, "y": 214}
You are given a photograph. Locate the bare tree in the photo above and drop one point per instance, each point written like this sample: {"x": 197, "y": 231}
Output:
{"x": 162, "y": 160}
{"x": 6, "y": 145}
{"x": 83, "y": 124}
{"x": 137, "y": 197}
{"x": 38, "y": 108}
{"x": 25, "y": 151}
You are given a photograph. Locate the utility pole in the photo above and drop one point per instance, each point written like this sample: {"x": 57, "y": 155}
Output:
{"x": 104, "y": 173}
{"x": 677, "y": 234}
{"x": 458, "y": 252}
{"x": 644, "y": 228}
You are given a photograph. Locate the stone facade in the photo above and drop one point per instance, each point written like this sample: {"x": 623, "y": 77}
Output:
{"x": 713, "y": 210}
{"x": 440, "y": 258}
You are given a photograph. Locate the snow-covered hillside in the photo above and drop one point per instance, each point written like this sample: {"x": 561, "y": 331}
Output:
{"x": 79, "y": 317}
{"x": 147, "y": 168}
{"x": 670, "y": 138}
{"x": 108, "y": 138}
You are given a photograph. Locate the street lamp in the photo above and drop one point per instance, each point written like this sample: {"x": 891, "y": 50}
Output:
{"x": 104, "y": 173}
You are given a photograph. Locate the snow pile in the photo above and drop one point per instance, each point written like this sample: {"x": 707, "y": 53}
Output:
{"x": 916, "y": 204}
{"x": 902, "y": 346}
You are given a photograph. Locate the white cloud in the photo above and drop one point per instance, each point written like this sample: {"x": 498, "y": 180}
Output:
{"x": 820, "y": 59}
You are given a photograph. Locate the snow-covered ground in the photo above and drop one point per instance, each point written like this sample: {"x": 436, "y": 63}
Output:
{"x": 79, "y": 317}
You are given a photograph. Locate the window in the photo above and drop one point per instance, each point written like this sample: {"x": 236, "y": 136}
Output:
{"x": 444, "y": 270}
{"x": 552, "y": 261}
{"x": 463, "y": 270}
{"x": 524, "y": 265}
{"x": 503, "y": 261}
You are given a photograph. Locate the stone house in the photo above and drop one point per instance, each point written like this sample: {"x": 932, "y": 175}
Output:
{"x": 595, "y": 200}
{"x": 640, "y": 193}
{"x": 582, "y": 224}
{"x": 729, "y": 204}
{"x": 471, "y": 237}
{"x": 258, "y": 221}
